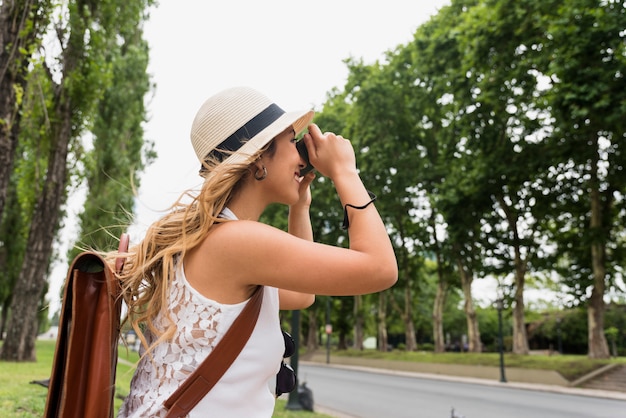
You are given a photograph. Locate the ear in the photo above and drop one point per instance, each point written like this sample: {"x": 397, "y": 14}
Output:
{"x": 258, "y": 165}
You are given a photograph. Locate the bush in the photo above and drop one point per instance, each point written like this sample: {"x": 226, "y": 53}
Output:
{"x": 426, "y": 347}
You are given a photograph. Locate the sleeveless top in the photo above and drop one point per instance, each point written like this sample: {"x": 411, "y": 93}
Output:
{"x": 247, "y": 387}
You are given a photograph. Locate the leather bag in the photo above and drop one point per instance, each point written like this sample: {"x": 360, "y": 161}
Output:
{"x": 82, "y": 383}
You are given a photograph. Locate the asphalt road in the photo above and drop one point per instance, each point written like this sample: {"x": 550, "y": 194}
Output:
{"x": 369, "y": 394}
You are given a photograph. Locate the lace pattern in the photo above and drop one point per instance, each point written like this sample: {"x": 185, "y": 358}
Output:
{"x": 200, "y": 324}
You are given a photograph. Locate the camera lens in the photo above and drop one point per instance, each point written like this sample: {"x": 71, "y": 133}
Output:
{"x": 304, "y": 153}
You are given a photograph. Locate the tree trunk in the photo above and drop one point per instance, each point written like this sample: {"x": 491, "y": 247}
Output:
{"x": 22, "y": 328}
{"x": 520, "y": 336}
{"x": 440, "y": 299}
{"x": 382, "y": 344}
{"x": 598, "y": 347}
{"x": 358, "y": 322}
{"x": 342, "y": 341}
{"x": 520, "y": 339}
{"x": 473, "y": 333}
{"x": 12, "y": 20}
{"x": 8, "y": 107}
{"x": 411, "y": 340}
{"x": 311, "y": 339}
{"x": 4, "y": 317}
{"x": 440, "y": 296}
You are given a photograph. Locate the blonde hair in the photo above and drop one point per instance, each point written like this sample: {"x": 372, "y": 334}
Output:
{"x": 150, "y": 265}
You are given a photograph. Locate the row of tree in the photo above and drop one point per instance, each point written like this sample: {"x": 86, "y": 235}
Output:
{"x": 495, "y": 142}
{"x": 73, "y": 86}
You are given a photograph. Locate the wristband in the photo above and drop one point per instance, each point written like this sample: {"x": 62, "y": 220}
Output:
{"x": 346, "y": 222}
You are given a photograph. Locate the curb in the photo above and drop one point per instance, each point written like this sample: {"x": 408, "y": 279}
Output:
{"x": 594, "y": 374}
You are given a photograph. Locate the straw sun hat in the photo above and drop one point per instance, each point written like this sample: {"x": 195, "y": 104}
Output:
{"x": 241, "y": 121}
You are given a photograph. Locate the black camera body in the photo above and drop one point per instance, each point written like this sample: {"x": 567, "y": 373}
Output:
{"x": 304, "y": 153}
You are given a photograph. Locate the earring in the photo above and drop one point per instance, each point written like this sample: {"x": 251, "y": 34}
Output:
{"x": 262, "y": 176}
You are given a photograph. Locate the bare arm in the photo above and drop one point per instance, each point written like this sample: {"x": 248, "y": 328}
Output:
{"x": 245, "y": 253}
{"x": 299, "y": 225}
{"x": 299, "y": 265}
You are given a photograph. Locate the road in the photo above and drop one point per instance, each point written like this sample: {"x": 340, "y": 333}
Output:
{"x": 366, "y": 394}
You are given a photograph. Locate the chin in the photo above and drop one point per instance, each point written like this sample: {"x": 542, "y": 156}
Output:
{"x": 291, "y": 200}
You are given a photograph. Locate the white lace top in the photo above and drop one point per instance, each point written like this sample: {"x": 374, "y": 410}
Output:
{"x": 247, "y": 387}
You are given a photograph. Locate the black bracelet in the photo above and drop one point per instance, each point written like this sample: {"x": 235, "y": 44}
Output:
{"x": 346, "y": 222}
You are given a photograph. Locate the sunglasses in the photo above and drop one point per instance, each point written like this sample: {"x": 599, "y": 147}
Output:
{"x": 286, "y": 377}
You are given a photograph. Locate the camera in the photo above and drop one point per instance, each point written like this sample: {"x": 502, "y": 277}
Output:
{"x": 304, "y": 153}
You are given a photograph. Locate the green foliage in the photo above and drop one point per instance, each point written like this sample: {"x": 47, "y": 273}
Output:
{"x": 584, "y": 57}
{"x": 486, "y": 136}
{"x": 99, "y": 44}
{"x": 119, "y": 149}
{"x": 571, "y": 324}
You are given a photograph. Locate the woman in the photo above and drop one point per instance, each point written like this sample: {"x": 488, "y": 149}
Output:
{"x": 197, "y": 267}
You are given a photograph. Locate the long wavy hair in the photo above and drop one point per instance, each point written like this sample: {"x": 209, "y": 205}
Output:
{"x": 150, "y": 265}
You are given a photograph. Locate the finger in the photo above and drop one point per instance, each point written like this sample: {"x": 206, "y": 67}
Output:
{"x": 314, "y": 130}
{"x": 307, "y": 179}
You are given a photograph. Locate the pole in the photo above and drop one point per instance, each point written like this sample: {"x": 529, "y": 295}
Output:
{"x": 500, "y": 340}
{"x": 558, "y": 333}
{"x": 293, "y": 403}
{"x": 328, "y": 330}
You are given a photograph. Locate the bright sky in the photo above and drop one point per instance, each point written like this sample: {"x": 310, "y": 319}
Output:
{"x": 291, "y": 50}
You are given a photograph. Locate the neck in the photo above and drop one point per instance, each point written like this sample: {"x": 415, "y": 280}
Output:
{"x": 248, "y": 203}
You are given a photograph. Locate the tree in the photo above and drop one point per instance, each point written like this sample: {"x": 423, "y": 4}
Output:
{"x": 22, "y": 23}
{"x": 380, "y": 127}
{"x": 119, "y": 149}
{"x": 87, "y": 31}
{"x": 501, "y": 124}
{"x": 26, "y": 182}
{"x": 585, "y": 60}
{"x": 428, "y": 71}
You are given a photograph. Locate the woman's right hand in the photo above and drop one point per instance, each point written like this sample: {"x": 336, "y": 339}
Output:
{"x": 332, "y": 155}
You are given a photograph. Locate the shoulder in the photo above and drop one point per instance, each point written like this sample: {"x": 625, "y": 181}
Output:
{"x": 234, "y": 256}
{"x": 243, "y": 233}
{"x": 239, "y": 244}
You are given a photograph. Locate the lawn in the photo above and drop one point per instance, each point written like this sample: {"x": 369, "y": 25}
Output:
{"x": 21, "y": 399}
{"x": 570, "y": 367}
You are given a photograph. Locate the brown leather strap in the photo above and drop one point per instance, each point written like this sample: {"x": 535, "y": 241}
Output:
{"x": 210, "y": 371}
{"x": 122, "y": 248}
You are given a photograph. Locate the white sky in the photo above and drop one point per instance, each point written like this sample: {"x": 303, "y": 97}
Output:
{"x": 291, "y": 50}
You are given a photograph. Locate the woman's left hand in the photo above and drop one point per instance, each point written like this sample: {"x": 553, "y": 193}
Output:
{"x": 305, "y": 190}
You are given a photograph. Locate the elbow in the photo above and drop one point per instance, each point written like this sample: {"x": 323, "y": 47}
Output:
{"x": 387, "y": 275}
{"x": 303, "y": 301}
{"x": 391, "y": 275}
{"x": 308, "y": 301}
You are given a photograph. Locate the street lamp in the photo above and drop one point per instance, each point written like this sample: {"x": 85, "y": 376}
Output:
{"x": 558, "y": 335}
{"x": 500, "y": 306}
{"x": 328, "y": 329}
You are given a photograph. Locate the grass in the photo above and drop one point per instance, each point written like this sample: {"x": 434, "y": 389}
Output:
{"x": 21, "y": 399}
{"x": 570, "y": 367}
